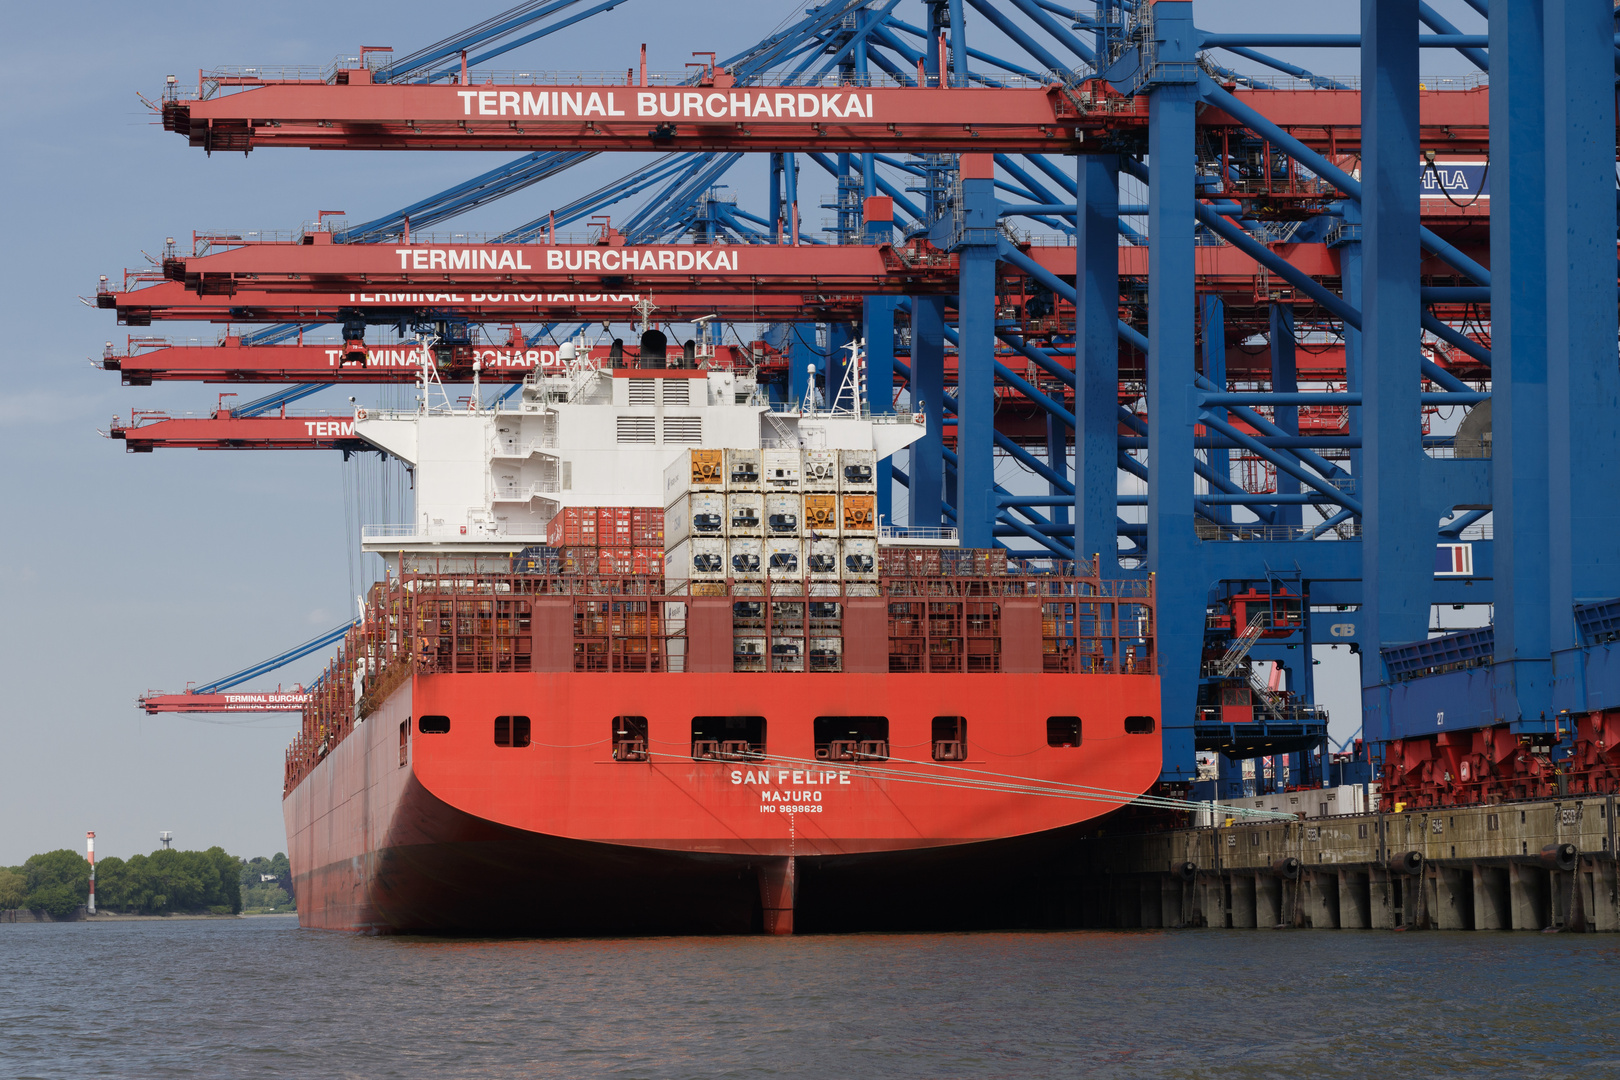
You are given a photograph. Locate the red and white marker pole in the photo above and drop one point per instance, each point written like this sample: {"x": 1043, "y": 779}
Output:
{"x": 90, "y": 853}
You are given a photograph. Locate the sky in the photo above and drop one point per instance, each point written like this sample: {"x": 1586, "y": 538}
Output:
{"x": 121, "y": 573}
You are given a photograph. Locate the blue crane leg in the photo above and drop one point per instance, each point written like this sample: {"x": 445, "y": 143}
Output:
{"x": 928, "y": 393}
{"x": 1583, "y": 383}
{"x": 1397, "y": 537}
{"x": 1350, "y": 276}
{"x": 1285, "y": 380}
{"x": 1519, "y": 362}
{"x": 1172, "y": 544}
{"x": 877, "y": 327}
{"x": 1096, "y": 388}
{"x": 1212, "y": 319}
{"x": 975, "y": 356}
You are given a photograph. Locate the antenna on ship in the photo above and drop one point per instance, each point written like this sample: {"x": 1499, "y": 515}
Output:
{"x": 430, "y": 373}
{"x": 854, "y": 382}
{"x": 645, "y": 307}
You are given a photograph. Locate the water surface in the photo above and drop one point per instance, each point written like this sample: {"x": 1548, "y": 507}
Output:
{"x": 261, "y": 998}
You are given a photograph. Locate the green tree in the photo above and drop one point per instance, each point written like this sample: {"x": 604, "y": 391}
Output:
{"x": 13, "y": 889}
{"x": 58, "y": 881}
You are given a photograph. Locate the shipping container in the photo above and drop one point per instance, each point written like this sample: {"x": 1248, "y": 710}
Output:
{"x": 745, "y": 513}
{"x": 821, "y": 514}
{"x": 857, "y": 472}
{"x": 648, "y": 527}
{"x": 693, "y": 470}
{"x": 746, "y": 559}
{"x": 615, "y": 526}
{"x": 648, "y": 560}
{"x": 825, "y": 588}
{"x": 748, "y": 653}
{"x": 862, "y": 588}
{"x": 573, "y": 526}
{"x": 892, "y": 561}
{"x": 859, "y": 562}
{"x": 922, "y": 562}
{"x": 784, "y": 514}
{"x": 787, "y": 654}
{"x": 537, "y": 559}
{"x": 699, "y": 514}
{"x": 824, "y": 559}
{"x": 700, "y": 558}
{"x": 742, "y": 470}
{"x": 819, "y": 470}
{"x": 578, "y": 560}
{"x": 826, "y": 654}
{"x": 784, "y": 558}
{"x": 858, "y": 515}
{"x": 989, "y": 562}
{"x": 779, "y": 470}
{"x": 615, "y": 560}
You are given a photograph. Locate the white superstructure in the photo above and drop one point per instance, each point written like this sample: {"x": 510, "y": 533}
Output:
{"x": 490, "y": 480}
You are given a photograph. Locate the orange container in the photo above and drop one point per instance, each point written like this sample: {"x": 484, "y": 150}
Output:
{"x": 859, "y": 513}
{"x": 821, "y": 513}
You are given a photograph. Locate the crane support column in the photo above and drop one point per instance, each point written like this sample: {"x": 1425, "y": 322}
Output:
{"x": 1096, "y": 345}
{"x": 877, "y": 330}
{"x": 1348, "y": 242}
{"x": 1212, "y": 320}
{"x": 1519, "y": 362}
{"x": 1173, "y": 553}
{"x": 1397, "y": 533}
{"x": 927, "y": 489}
{"x": 976, "y": 502}
{"x": 1583, "y": 383}
{"x": 1285, "y": 380}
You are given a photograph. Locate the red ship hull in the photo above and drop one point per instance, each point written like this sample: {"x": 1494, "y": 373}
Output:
{"x": 397, "y": 830}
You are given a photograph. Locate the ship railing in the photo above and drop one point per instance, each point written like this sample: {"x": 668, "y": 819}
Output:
{"x": 907, "y": 534}
{"x": 473, "y": 531}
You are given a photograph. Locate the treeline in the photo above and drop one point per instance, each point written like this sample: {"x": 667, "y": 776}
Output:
{"x": 163, "y": 883}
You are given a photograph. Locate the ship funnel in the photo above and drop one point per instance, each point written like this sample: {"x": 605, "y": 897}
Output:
{"x": 654, "y": 345}
{"x": 616, "y": 353}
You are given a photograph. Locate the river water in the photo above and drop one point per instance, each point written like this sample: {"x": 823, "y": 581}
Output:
{"x": 262, "y": 998}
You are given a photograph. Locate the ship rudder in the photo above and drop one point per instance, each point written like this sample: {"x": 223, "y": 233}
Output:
{"x": 777, "y": 886}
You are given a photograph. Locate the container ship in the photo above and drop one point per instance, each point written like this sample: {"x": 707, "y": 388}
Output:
{"x": 646, "y": 662}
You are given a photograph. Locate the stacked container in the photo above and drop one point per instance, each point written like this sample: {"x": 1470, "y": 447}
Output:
{"x": 819, "y": 471}
{"x": 780, "y": 470}
{"x": 784, "y": 514}
{"x": 741, "y": 469}
{"x": 606, "y": 540}
{"x": 821, "y": 513}
{"x": 745, "y": 513}
{"x": 857, "y": 471}
{"x": 701, "y": 514}
{"x": 782, "y": 523}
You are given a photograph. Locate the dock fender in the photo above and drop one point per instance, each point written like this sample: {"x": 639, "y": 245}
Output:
{"x": 1559, "y": 856}
{"x": 1408, "y": 862}
{"x": 1187, "y": 871}
{"x": 1287, "y": 869}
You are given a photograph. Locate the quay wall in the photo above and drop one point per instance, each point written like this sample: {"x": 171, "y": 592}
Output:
{"x": 1542, "y": 866}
